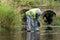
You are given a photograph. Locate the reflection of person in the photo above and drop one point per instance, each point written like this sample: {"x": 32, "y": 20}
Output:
{"x": 33, "y": 19}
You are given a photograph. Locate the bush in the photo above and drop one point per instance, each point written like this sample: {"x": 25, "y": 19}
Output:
{"x": 6, "y": 16}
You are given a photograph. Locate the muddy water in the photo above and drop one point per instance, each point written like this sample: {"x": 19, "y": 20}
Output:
{"x": 50, "y": 36}
{"x": 19, "y": 35}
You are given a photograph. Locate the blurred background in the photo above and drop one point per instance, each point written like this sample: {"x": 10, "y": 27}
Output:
{"x": 12, "y": 13}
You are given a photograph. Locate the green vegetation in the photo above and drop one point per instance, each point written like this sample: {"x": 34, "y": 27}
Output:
{"x": 10, "y": 17}
{"x": 6, "y": 16}
{"x": 57, "y": 20}
{"x": 37, "y": 2}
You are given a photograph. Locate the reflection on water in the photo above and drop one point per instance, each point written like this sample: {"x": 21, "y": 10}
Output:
{"x": 35, "y": 35}
{"x": 6, "y": 35}
{"x": 28, "y": 37}
{"x": 49, "y": 36}
{"x": 18, "y": 35}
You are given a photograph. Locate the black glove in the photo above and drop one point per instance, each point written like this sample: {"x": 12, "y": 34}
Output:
{"x": 38, "y": 24}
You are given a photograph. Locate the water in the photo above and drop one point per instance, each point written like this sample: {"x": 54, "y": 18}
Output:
{"x": 50, "y": 36}
{"x": 21, "y": 35}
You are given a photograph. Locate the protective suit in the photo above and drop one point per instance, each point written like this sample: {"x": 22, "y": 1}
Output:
{"x": 33, "y": 18}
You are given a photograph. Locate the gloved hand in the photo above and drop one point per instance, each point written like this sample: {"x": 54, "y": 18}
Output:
{"x": 38, "y": 24}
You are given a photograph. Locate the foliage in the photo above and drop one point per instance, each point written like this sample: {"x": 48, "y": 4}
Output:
{"x": 37, "y": 2}
{"x": 6, "y": 16}
{"x": 57, "y": 20}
